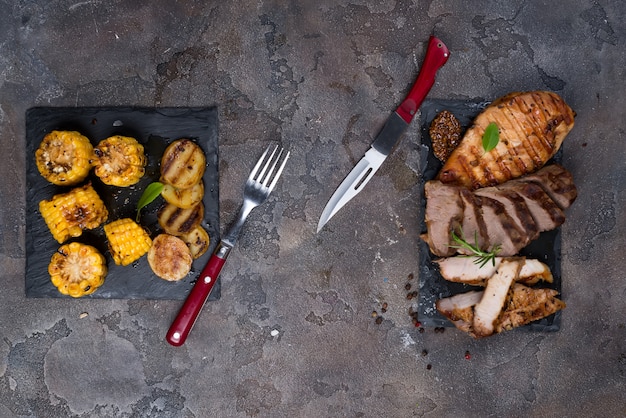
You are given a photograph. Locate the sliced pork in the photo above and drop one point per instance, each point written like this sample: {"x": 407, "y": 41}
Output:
{"x": 459, "y": 309}
{"x": 546, "y": 213}
{"x": 487, "y": 311}
{"x": 557, "y": 182}
{"x": 522, "y": 306}
{"x": 511, "y": 214}
{"x": 443, "y": 214}
{"x": 464, "y": 270}
{"x": 525, "y": 305}
{"x": 515, "y": 205}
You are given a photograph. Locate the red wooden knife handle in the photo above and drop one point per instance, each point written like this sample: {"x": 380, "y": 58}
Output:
{"x": 436, "y": 56}
{"x": 188, "y": 314}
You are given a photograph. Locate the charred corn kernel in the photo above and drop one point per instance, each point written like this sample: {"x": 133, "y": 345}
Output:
{"x": 68, "y": 214}
{"x": 64, "y": 157}
{"x": 119, "y": 161}
{"x": 127, "y": 241}
{"x": 77, "y": 269}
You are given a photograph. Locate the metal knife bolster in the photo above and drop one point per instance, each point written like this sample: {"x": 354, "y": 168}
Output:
{"x": 390, "y": 134}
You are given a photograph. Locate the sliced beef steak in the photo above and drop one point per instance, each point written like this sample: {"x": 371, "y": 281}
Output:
{"x": 444, "y": 212}
{"x": 557, "y": 182}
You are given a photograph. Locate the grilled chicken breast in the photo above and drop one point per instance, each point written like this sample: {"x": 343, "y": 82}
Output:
{"x": 532, "y": 127}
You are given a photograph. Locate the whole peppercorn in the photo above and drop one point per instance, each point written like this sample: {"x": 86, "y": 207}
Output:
{"x": 379, "y": 320}
{"x": 467, "y": 355}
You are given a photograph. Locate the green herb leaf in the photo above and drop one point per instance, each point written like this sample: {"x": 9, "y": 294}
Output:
{"x": 491, "y": 137}
{"x": 149, "y": 194}
{"x": 482, "y": 257}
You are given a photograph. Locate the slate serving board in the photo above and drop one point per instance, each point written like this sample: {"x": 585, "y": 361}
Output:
{"x": 546, "y": 248}
{"x": 154, "y": 128}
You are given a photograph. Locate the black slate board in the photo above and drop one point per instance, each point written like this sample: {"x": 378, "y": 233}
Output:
{"x": 546, "y": 248}
{"x": 154, "y": 128}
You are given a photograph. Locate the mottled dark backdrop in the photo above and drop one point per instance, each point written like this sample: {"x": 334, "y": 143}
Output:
{"x": 293, "y": 334}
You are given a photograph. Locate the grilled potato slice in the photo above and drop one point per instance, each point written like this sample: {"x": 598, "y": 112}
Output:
{"x": 183, "y": 198}
{"x": 532, "y": 127}
{"x": 197, "y": 240}
{"x": 182, "y": 164}
{"x": 169, "y": 257}
{"x": 177, "y": 221}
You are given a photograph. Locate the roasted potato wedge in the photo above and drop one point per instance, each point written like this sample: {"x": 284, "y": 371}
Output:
{"x": 197, "y": 240}
{"x": 177, "y": 221}
{"x": 169, "y": 257}
{"x": 183, "y": 198}
{"x": 182, "y": 164}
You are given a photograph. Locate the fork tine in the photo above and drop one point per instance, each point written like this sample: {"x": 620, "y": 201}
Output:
{"x": 280, "y": 170}
{"x": 267, "y": 179}
{"x": 258, "y": 165}
{"x": 260, "y": 178}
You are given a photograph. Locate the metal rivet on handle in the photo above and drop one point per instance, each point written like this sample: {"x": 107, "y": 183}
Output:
{"x": 207, "y": 279}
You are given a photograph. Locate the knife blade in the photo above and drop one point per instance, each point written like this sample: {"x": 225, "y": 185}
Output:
{"x": 436, "y": 56}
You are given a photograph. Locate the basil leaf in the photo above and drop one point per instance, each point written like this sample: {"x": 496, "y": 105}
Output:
{"x": 491, "y": 137}
{"x": 149, "y": 194}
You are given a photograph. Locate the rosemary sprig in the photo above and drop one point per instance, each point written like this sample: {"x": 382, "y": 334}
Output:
{"x": 482, "y": 257}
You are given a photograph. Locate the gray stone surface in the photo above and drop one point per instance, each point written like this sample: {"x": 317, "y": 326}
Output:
{"x": 321, "y": 77}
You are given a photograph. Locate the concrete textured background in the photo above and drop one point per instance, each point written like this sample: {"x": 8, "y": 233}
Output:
{"x": 321, "y": 77}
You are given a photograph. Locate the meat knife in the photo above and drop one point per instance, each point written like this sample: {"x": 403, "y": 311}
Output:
{"x": 436, "y": 56}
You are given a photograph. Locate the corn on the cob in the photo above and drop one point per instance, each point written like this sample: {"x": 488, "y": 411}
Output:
{"x": 119, "y": 161}
{"x": 77, "y": 269}
{"x": 64, "y": 157}
{"x": 127, "y": 241}
{"x": 68, "y": 214}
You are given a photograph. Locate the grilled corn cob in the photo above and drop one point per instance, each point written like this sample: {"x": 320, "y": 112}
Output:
{"x": 64, "y": 157}
{"x": 119, "y": 161}
{"x": 77, "y": 269}
{"x": 127, "y": 241}
{"x": 68, "y": 214}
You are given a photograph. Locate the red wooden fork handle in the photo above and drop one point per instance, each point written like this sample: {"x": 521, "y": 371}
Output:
{"x": 188, "y": 314}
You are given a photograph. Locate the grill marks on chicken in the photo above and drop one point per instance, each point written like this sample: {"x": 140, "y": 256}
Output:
{"x": 506, "y": 302}
{"x": 532, "y": 127}
{"x": 510, "y": 215}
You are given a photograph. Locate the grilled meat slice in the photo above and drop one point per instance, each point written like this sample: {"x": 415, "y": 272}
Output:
{"x": 460, "y": 308}
{"x": 547, "y": 214}
{"x": 522, "y": 306}
{"x": 525, "y": 305}
{"x": 557, "y": 182}
{"x": 444, "y": 212}
{"x": 532, "y": 127}
{"x": 515, "y": 206}
{"x": 500, "y": 227}
{"x": 462, "y": 269}
{"x": 474, "y": 229}
{"x": 487, "y": 311}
